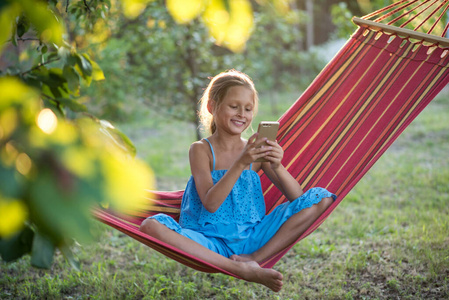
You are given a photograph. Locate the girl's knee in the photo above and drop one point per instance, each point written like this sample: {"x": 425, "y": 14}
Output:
{"x": 325, "y": 203}
{"x": 317, "y": 209}
{"x": 328, "y": 201}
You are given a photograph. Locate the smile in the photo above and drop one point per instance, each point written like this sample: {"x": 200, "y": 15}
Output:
{"x": 238, "y": 123}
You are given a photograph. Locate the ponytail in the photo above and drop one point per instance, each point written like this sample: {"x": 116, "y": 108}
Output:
{"x": 212, "y": 126}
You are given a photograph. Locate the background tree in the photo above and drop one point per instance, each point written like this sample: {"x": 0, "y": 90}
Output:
{"x": 157, "y": 63}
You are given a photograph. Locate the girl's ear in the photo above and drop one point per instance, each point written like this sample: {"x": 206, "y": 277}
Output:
{"x": 211, "y": 106}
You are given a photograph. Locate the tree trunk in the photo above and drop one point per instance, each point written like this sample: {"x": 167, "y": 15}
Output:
{"x": 309, "y": 25}
{"x": 192, "y": 65}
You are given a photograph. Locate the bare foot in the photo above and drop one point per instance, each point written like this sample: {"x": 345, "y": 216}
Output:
{"x": 242, "y": 257}
{"x": 254, "y": 273}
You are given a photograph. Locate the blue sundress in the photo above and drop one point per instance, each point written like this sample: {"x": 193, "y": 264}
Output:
{"x": 239, "y": 226}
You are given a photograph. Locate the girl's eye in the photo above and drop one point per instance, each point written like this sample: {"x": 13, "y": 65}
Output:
{"x": 233, "y": 106}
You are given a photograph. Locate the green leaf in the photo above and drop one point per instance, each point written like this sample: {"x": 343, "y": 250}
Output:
{"x": 71, "y": 258}
{"x": 55, "y": 107}
{"x": 73, "y": 79}
{"x": 17, "y": 246}
{"x": 44, "y": 20}
{"x": 52, "y": 55}
{"x": 84, "y": 68}
{"x": 120, "y": 139}
{"x": 84, "y": 65}
{"x": 60, "y": 205}
{"x": 72, "y": 104}
{"x": 9, "y": 185}
{"x": 22, "y": 26}
{"x": 72, "y": 59}
{"x": 97, "y": 72}
{"x": 66, "y": 55}
{"x": 42, "y": 252}
{"x": 8, "y": 13}
{"x": 3, "y": 4}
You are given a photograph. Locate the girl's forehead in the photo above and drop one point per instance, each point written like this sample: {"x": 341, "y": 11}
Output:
{"x": 239, "y": 93}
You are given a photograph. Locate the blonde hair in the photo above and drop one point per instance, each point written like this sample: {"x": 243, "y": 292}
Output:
{"x": 216, "y": 91}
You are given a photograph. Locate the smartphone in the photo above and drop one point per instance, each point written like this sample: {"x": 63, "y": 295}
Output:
{"x": 269, "y": 130}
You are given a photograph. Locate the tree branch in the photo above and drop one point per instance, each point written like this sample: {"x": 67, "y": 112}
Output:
{"x": 58, "y": 103}
{"x": 86, "y": 6}
{"x": 40, "y": 65}
{"x": 27, "y": 39}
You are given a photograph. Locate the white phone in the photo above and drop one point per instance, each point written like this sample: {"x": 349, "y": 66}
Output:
{"x": 269, "y": 130}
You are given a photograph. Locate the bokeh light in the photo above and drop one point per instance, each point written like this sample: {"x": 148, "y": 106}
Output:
{"x": 13, "y": 214}
{"x": 47, "y": 121}
{"x": 23, "y": 164}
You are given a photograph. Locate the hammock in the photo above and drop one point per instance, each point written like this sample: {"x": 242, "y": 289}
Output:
{"x": 381, "y": 79}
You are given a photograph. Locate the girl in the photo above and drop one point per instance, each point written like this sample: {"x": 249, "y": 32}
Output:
{"x": 223, "y": 217}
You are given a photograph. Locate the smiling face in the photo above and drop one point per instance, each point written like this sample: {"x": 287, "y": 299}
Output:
{"x": 236, "y": 110}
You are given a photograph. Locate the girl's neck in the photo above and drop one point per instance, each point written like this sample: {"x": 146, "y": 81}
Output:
{"x": 226, "y": 141}
{"x": 227, "y": 148}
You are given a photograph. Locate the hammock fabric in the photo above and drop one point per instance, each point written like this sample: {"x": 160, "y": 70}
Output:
{"x": 334, "y": 133}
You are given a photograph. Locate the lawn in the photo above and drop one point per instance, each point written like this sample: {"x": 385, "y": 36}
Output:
{"x": 388, "y": 239}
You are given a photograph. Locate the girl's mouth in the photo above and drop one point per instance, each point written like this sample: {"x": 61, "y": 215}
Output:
{"x": 238, "y": 123}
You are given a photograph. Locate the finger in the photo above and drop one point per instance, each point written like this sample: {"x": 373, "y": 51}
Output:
{"x": 264, "y": 149}
{"x": 260, "y": 142}
{"x": 273, "y": 160}
{"x": 275, "y": 146}
{"x": 273, "y": 143}
{"x": 253, "y": 138}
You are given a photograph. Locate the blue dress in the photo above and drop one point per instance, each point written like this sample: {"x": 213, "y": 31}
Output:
{"x": 239, "y": 226}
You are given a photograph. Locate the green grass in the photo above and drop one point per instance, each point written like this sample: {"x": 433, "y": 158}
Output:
{"x": 387, "y": 240}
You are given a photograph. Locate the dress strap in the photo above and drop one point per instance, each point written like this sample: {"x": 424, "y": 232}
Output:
{"x": 213, "y": 154}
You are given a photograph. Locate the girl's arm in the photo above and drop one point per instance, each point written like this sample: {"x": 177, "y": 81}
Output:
{"x": 277, "y": 173}
{"x": 212, "y": 196}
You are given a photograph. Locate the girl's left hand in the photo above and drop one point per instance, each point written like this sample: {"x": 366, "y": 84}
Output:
{"x": 275, "y": 155}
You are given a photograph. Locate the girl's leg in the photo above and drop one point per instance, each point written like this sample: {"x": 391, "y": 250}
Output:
{"x": 248, "y": 270}
{"x": 289, "y": 232}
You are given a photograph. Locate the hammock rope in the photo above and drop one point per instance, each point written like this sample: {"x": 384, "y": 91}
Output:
{"x": 364, "y": 98}
{"x": 409, "y": 13}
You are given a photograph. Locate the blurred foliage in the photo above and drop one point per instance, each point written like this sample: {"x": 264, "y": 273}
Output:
{"x": 159, "y": 64}
{"x": 422, "y": 19}
{"x": 57, "y": 160}
{"x": 53, "y": 171}
{"x": 340, "y": 14}
{"x": 343, "y": 11}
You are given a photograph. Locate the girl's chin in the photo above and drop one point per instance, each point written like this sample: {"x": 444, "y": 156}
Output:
{"x": 237, "y": 130}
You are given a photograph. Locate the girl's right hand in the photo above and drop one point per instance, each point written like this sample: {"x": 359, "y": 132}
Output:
{"x": 252, "y": 152}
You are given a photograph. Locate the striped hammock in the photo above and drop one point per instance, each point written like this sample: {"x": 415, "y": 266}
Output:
{"x": 381, "y": 79}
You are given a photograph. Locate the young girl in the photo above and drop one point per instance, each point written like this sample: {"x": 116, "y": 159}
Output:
{"x": 223, "y": 217}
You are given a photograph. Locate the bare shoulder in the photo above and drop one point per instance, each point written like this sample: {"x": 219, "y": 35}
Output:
{"x": 199, "y": 147}
{"x": 200, "y": 156}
